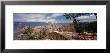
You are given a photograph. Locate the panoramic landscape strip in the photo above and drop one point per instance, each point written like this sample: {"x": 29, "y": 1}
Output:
{"x": 55, "y": 26}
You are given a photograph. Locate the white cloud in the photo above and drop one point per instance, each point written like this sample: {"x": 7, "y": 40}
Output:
{"x": 87, "y": 18}
{"x": 37, "y": 17}
{"x": 55, "y": 15}
{"x": 35, "y": 20}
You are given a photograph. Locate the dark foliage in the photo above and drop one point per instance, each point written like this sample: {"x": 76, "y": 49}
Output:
{"x": 88, "y": 27}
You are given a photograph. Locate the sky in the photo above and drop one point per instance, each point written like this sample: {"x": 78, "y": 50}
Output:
{"x": 49, "y": 17}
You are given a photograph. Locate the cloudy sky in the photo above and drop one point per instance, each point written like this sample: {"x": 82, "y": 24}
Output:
{"x": 86, "y": 18}
{"x": 49, "y": 17}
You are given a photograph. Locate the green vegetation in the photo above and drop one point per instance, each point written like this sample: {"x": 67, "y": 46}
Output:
{"x": 30, "y": 34}
{"x": 82, "y": 27}
{"x": 86, "y": 27}
{"x": 56, "y": 36}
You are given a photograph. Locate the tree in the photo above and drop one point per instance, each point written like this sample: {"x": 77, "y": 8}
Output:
{"x": 75, "y": 22}
{"x": 75, "y": 15}
{"x": 27, "y": 33}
